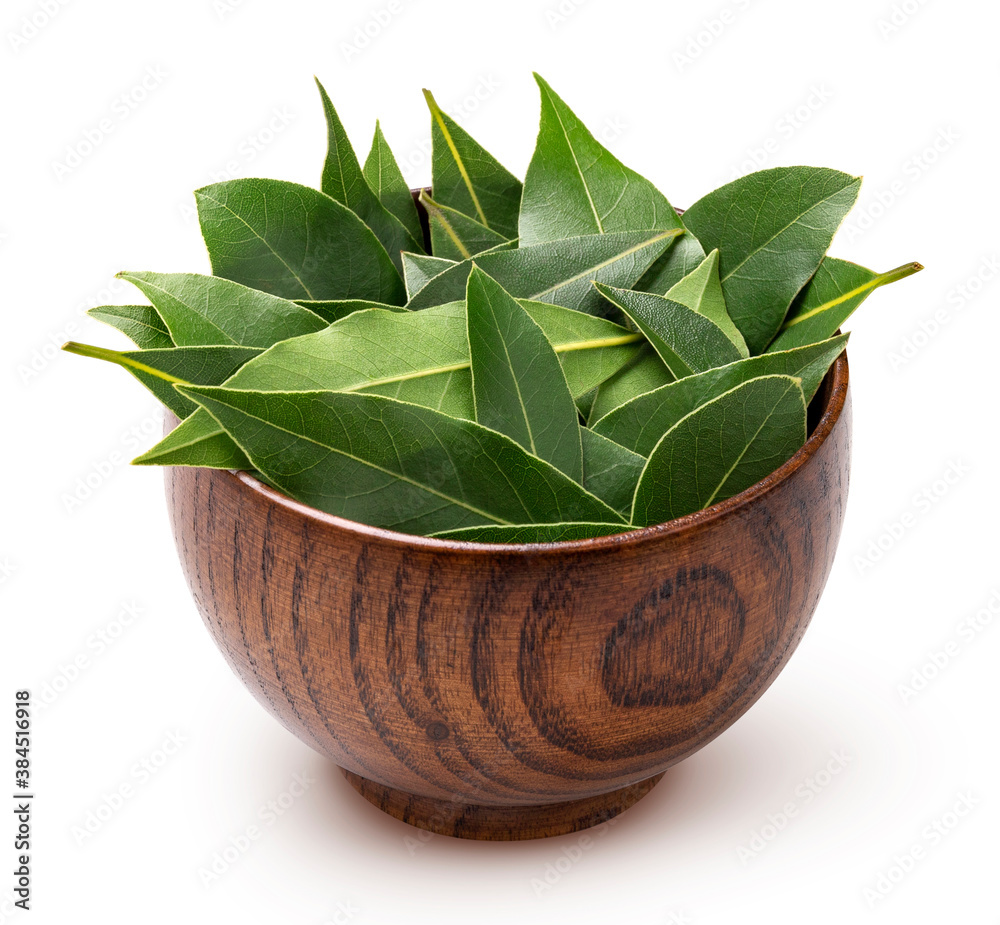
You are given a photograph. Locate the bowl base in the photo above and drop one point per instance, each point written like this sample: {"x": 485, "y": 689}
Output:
{"x": 499, "y": 823}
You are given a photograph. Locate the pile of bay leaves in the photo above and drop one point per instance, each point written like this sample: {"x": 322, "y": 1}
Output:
{"x": 561, "y": 358}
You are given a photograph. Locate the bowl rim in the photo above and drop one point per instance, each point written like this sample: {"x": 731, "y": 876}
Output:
{"x": 836, "y": 382}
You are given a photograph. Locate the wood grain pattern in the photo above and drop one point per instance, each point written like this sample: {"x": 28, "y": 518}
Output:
{"x": 534, "y": 689}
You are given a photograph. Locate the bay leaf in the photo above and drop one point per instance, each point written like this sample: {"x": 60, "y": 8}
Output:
{"x": 344, "y": 181}
{"x": 159, "y": 368}
{"x": 575, "y": 186}
{"x": 686, "y": 341}
{"x": 207, "y": 310}
{"x": 680, "y": 260}
{"x": 467, "y": 178}
{"x": 830, "y": 298}
{"x": 386, "y": 180}
{"x": 772, "y": 229}
{"x": 420, "y": 269}
{"x": 392, "y": 464}
{"x": 319, "y": 250}
{"x": 518, "y": 384}
{"x": 336, "y": 309}
{"x": 529, "y": 533}
{"x": 141, "y": 324}
{"x": 610, "y": 471}
{"x": 456, "y": 236}
{"x": 420, "y": 358}
{"x": 701, "y": 291}
{"x": 721, "y": 448}
{"x": 559, "y": 272}
{"x": 639, "y": 423}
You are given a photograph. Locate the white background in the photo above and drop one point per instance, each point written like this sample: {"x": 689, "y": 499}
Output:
{"x": 687, "y": 96}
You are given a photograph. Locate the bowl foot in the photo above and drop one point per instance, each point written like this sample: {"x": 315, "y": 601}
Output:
{"x": 499, "y": 823}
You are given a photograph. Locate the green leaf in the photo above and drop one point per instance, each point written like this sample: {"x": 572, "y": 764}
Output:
{"x": 395, "y": 465}
{"x": 518, "y": 385}
{"x": 560, "y": 272}
{"x": 456, "y": 236}
{"x": 610, "y": 471}
{"x": 772, "y": 229}
{"x": 158, "y": 369}
{"x": 830, "y": 298}
{"x": 344, "y": 181}
{"x": 575, "y": 186}
{"x": 142, "y": 324}
{"x": 422, "y": 358}
{"x": 643, "y": 373}
{"x": 206, "y": 310}
{"x": 701, "y": 291}
{"x": 467, "y": 178}
{"x": 419, "y": 270}
{"x": 721, "y": 448}
{"x": 294, "y": 242}
{"x": 639, "y": 423}
{"x": 685, "y": 340}
{"x": 529, "y": 533}
{"x": 386, "y": 180}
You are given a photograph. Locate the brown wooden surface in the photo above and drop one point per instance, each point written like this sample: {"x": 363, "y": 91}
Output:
{"x": 513, "y": 676}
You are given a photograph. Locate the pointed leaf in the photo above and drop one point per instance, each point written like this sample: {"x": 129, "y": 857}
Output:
{"x": 638, "y": 424}
{"x": 701, "y": 291}
{"x": 142, "y": 324}
{"x": 387, "y": 182}
{"x": 518, "y": 385}
{"x": 467, "y": 178}
{"x": 336, "y": 309}
{"x": 206, "y": 310}
{"x": 392, "y": 464}
{"x": 344, "y": 181}
{"x": 456, "y": 236}
{"x": 686, "y": 341}
{"x": 610, "y": 471}
{"x": 830, "y": 298}
{"x": 420, "y": 358}
{"x": 529, "y": 533}
{"x": 560, "y": 272}
{"x": 419, "y": 270}
{"x": 772, "y": 229}
{"x": 575, "y": 186}
{"x": 159, "y": 369}
{"x": 721, "y": 448}
{"x": 684, "y": 257}
{"x": 294, "y": 242}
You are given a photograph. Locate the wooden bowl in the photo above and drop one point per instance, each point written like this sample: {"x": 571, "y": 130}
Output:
{"x": 501, "y": 691}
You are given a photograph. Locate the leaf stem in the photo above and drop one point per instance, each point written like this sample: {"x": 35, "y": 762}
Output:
{"x": 119, "y": 359}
